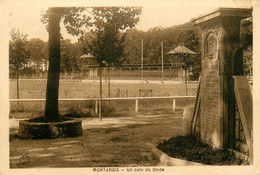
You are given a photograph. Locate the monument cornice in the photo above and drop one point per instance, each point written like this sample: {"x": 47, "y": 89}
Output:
{"x": 223, "y": 12}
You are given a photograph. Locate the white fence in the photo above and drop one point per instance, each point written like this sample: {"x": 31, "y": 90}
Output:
{"x": 111, "y": 99}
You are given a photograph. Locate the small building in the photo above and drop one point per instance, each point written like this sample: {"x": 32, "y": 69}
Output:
{"x": 89, "y": 65}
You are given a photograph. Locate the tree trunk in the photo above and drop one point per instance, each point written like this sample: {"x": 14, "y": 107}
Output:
{"x": 52, "y": 91}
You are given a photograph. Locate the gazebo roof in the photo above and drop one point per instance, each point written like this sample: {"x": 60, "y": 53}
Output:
{"x": 181, "y": 49}
{"x": 89, "y": 56}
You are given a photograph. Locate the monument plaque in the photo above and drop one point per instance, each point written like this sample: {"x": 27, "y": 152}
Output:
{"x": 210, "y": 102}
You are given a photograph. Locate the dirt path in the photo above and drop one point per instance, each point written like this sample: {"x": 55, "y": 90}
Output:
{"x": 122, "y": 141}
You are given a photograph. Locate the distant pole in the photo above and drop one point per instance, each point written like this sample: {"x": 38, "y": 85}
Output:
{"x": 17, "y": 84}
{"x": 185, "y": 68}
{"x": 100, "y": 93}
{"x": 142, "y": 61}
{"x": 93, "y": 74}
{"x": 186, "y": 82}
{"x": 108, "y": 71}
{"x": 162, "y": 58}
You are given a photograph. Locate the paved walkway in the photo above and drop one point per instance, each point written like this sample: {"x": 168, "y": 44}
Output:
{"x": 113, "y": 142}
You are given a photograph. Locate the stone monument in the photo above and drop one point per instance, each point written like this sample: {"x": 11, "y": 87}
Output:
{"x": 220, "y": 32}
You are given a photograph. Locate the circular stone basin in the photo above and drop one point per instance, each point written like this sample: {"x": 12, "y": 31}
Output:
{"x": 39, "y": 130}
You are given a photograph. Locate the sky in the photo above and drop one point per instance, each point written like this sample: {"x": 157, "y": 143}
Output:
{"x": 26, "y": 15}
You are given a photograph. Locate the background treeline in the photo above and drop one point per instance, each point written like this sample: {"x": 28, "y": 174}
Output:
{"x": 171, "y": 37}
{"x": 35, "y": 51}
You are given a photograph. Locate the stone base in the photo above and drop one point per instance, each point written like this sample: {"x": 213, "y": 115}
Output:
{"x": 186, "y": 120}
{"x": 37, "y": 130}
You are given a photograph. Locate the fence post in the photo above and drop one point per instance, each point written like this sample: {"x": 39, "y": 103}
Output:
{"x": 136, "y": 105}
{"x": 173, "y": 104}
{"x": 96, "y": 106}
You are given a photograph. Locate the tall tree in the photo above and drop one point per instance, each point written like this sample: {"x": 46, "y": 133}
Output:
{"x": 18, "y": 54}
{"x": 107, "y": 44}
{"x": 72, "y": 20}
{"x": 106, "y": 22}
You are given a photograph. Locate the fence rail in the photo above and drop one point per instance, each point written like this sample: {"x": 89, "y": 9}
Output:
{"x": 105, "y": 99}
{"x": 110, "y": 99}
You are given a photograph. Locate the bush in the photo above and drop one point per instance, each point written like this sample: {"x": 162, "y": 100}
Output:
{"x": 87, "y": 111}
{"x": 191, "y": 148}
{"x": 79, "y": 113}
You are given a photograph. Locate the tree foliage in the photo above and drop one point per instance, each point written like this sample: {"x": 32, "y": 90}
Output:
{"x": 132, "y": 50}
{"x": 18, "y": 53}
{"x": 106, "y": 41}
{"x": 38, "y": 52}
{"x": 75, "y": 19}
{"x": 171, "y": 37}
{"x": 248, "y": 61}
{"x": 246, "y": 40}
{"x": 69, "y": 57}
{"x": 127, "y": 45}
{"x": 246, "y": 33}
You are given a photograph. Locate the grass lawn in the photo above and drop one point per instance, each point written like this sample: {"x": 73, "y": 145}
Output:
{"x": 124, "y": 139}
{"x": 115, "y": 142}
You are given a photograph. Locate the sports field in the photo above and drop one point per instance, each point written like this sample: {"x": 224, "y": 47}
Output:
{"x": 36, "y": 89}
{"x": 90, "y": 88}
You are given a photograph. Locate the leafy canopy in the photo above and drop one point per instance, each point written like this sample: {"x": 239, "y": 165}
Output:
{"x": 18, "y": 54}
{"x": 73, "y": 18}
{"x": 105, "y": 41}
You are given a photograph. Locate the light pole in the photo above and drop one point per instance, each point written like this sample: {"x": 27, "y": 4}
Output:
{"x": 162, "y": 59}
{"x": 142, "y": 62}
{"x": 100, "y": 90}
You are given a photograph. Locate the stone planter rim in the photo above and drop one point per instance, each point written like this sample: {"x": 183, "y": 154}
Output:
{"x": 166, "y": 160}
{"x": 49, "y": 130}
{"x": 72, "y": 120}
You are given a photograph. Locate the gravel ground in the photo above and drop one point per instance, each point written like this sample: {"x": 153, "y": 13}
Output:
{"x": 112, "y": 142}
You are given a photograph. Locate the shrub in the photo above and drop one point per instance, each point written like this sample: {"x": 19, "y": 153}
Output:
{"x": 79, "y": 113}
{"x": 191, "y": 148}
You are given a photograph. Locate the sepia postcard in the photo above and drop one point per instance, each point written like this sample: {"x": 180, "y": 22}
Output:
{"x": 129, "y": 87}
